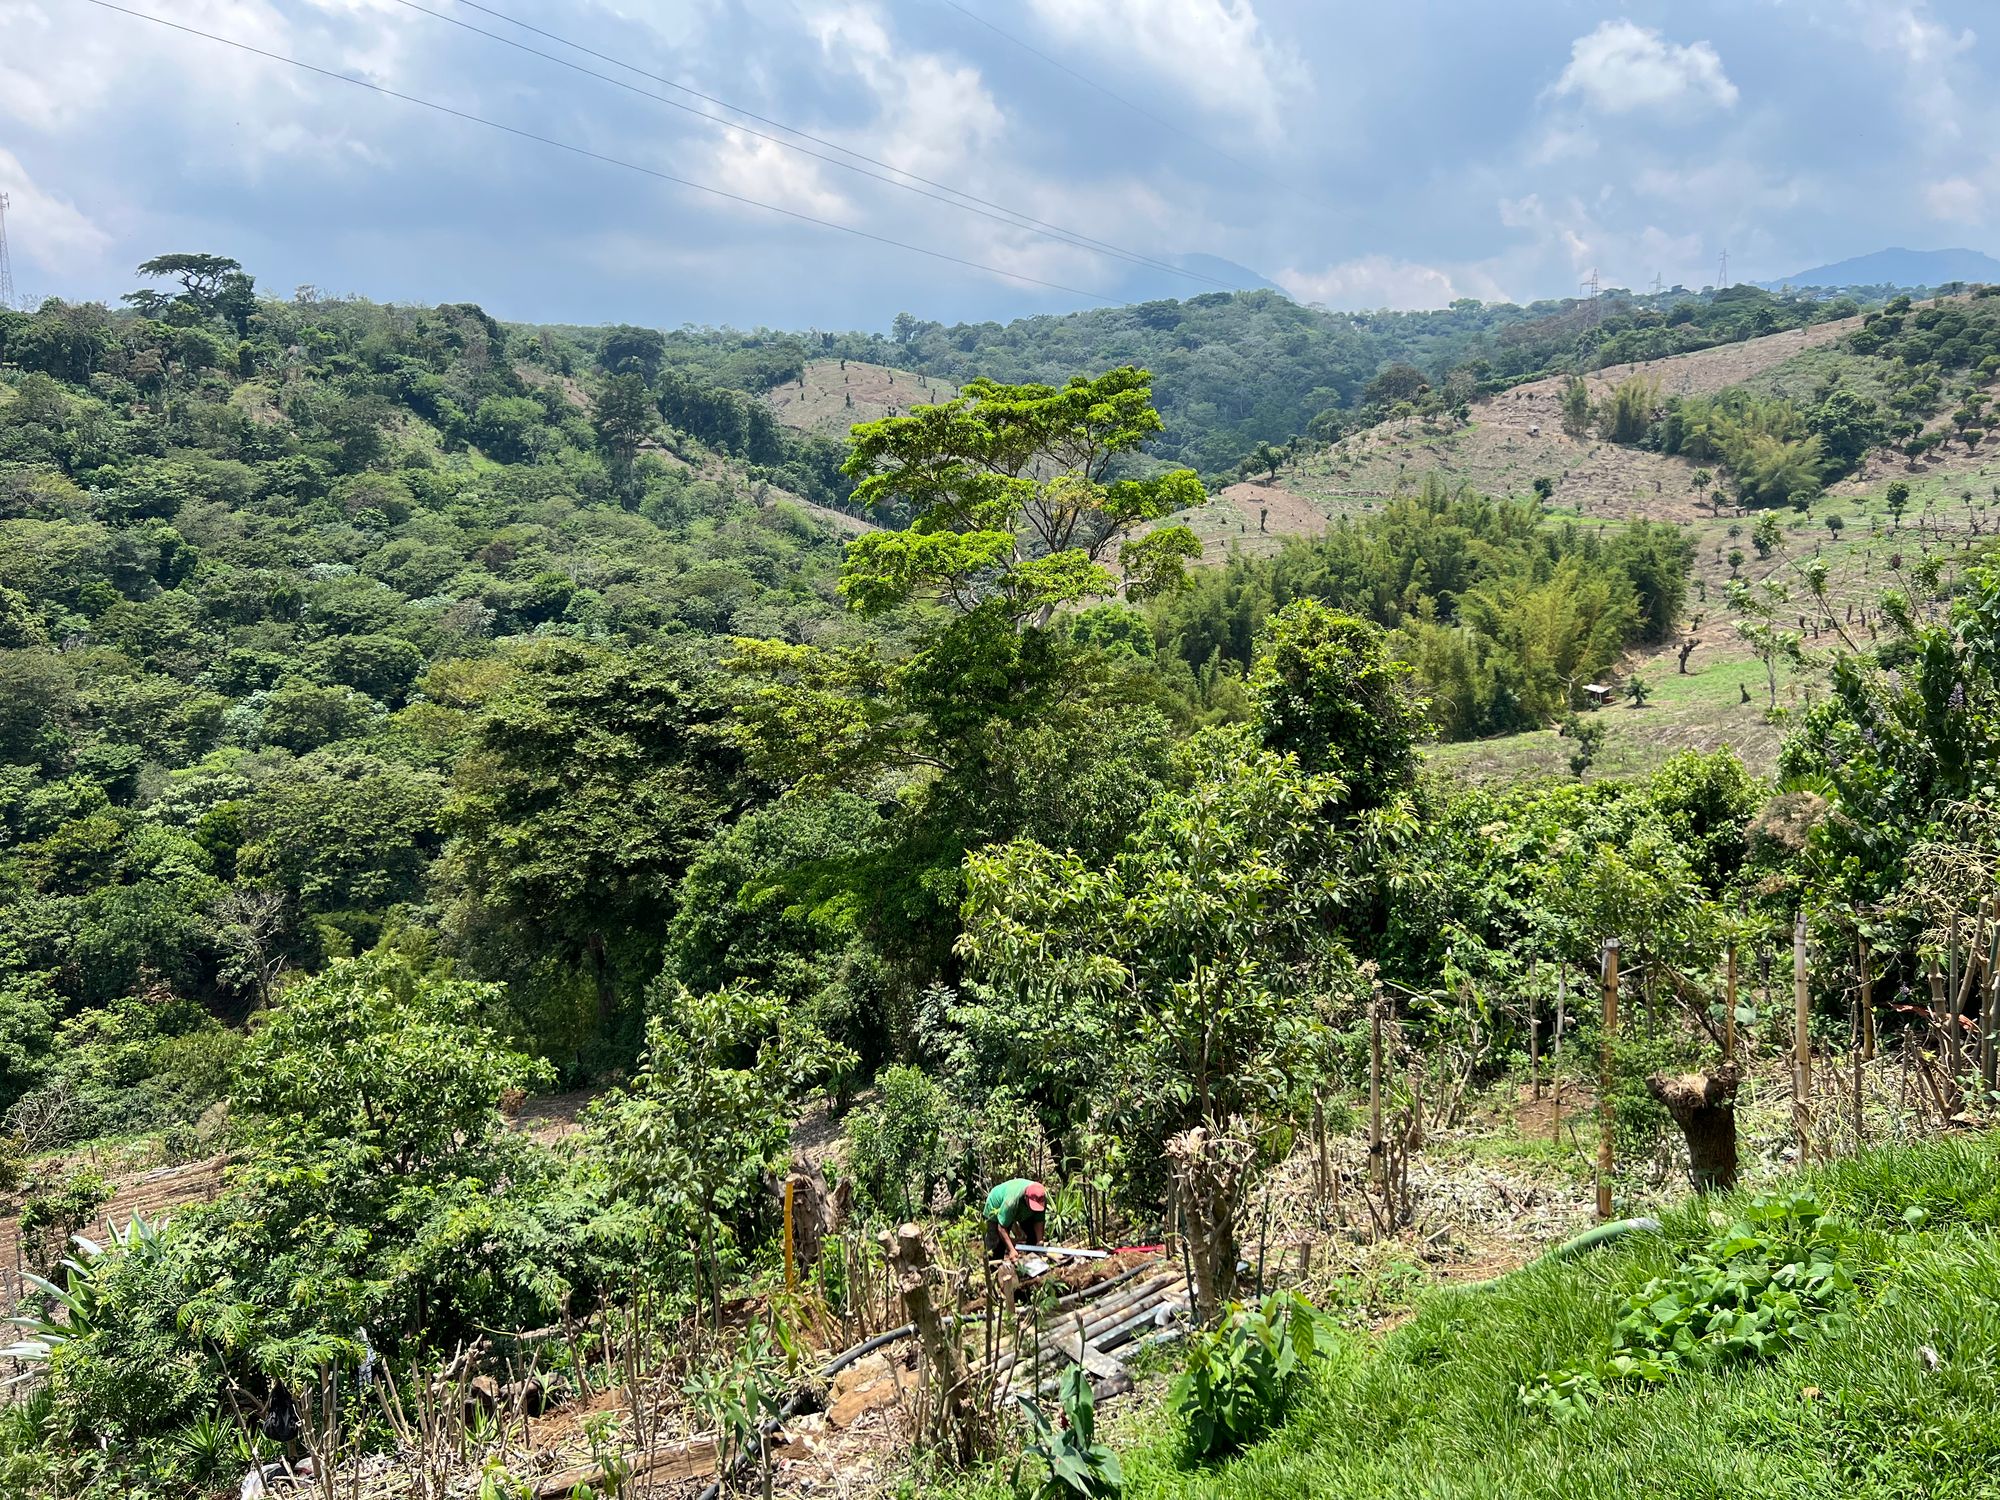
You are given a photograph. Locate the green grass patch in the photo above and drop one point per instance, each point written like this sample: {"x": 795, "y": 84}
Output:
{"x": 1894, "y": 1399}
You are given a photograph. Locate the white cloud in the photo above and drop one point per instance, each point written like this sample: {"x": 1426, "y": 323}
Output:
{"x": 933, "y": 115}
{"x": 762, "y": 169}
{"x": 1373, "y": 281}
{"x": 1958, "y": 200}
{"x": 45, "y": 230}
{"x": 1965, "y": 197}
{"x": 1622, "y": 66}
{"x": 1215, "y": 51}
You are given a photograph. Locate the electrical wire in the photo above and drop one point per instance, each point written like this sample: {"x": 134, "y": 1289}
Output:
{"x": 1088, "y": 82}
{"x": 1016, "y": 218}
{"x": 598, "y": 156}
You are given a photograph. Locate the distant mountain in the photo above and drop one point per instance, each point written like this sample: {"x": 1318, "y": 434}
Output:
{"x": 1899, "y": 268}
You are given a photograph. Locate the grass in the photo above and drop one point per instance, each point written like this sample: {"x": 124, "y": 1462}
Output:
{"x": 1851, "y": 1411}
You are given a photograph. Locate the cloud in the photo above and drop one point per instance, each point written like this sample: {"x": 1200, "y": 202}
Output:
{"x": 1372, "y": 281}
{"x": 47, "y": 231}
{"x": 932, "y": 114}
{"x": 1622, "y": 66}
{"x": 1965, "y": 197}
{"x": 1216, "y": 51}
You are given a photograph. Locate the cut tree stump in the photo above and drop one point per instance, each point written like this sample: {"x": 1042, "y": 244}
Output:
{"x": 1704, "y": 1106}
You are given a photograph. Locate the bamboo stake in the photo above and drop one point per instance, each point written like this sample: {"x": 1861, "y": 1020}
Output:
{"x": 1989, "y": 1043}
{"x": 791, "y": 1262}
{"x": 1606, "y": 1158}
{"x": 1867, "y": 1006}
{"x": 1556, "y": 1068}
{"x": 1378, "y": 1164}
{"x": 1729, "y": 1009}
{"x": 1534, "y": 1035}
{"x": 1801, "y": 1039}
{"x": 1954, "y": 1002}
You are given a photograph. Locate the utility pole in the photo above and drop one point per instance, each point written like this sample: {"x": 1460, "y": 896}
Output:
{"x": 6, "y": 261}
{"x": 1590, "y": 286}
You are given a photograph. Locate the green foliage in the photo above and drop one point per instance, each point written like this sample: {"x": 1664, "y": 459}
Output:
{"x": 1496, "y": 614}
{"x": 1627, "y": 412}
{"x": 906, "y": 1143}
{"x": 1327, "y": 691}
{"x": 390, "y": 1070}
{"x": 1012, "y": 496}
{"x": 1783, "y": 1267}
{"x": 1241, "y": 1375}
{"x": 708, "y": 1114}
{"x": 1075, "y": 1465}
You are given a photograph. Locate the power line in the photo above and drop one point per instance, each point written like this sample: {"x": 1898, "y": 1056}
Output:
{"x": 1087, "y": 82}
{"x": 598, "y": 156}
{"x": 1016, "y": 218}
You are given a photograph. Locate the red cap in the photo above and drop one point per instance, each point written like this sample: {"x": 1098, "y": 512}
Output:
{"x": 1038, "y": 1196}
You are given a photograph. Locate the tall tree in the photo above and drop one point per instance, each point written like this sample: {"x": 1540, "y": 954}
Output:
{"x": 594, "y": 776}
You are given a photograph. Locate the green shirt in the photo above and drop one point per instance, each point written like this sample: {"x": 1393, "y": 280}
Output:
{"x": 1007, "y": 1204}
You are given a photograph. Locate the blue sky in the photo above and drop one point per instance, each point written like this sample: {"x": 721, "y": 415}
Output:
{"x": 1360, "y": 154}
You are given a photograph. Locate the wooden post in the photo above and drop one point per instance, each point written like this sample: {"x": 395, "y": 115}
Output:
{"x": 791, "y": 1259}
{"x": 1378, "y": 1163}
{"x": 1534, "y": 1034}
{"x": 1556, "y": 1067}
{"x": 1953, "y": 1006}
{"x": 1729, "y": 1008}
{"x": 1801, "y": 1038}
{"x": 1606, "y": 1158}
{"x": 1989, "y": 1012}
{"x": 1867, "y": 1006}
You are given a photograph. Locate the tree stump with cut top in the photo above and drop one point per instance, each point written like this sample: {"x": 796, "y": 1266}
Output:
{"x": 1704, "y": 1106}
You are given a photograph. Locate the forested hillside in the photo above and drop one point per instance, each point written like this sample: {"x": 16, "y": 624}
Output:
{"x": 1238, "y": 369}
{"x": 406, "y": 717}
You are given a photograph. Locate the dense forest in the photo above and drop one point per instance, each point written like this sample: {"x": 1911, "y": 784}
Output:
{"x": 1236, "y": 369}
{"x": 402, "y": 715}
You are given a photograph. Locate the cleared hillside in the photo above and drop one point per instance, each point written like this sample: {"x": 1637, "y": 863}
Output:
{"x": 831, "y": 395}
{"x": 1725, "y": 696}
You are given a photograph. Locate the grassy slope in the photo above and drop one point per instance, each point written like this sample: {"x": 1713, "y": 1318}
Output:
{"x": 1600, "y": 483}
{"x": 829, "y": 399}
{"x": 1852, "y": 1411}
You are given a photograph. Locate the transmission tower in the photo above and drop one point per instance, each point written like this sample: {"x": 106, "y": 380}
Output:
{"x": 1590, "y": 286}
{"x": 1659, "y": 283}
{"x": 1722, "y": 280}
{"x": 6, "y": 261}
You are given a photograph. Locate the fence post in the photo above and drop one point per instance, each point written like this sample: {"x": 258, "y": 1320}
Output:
{"x": 1729, "y": 1008}
{"x": 1801, "y": 1038}
{"x": 1867, "y": 1006}
{"x": 1989, "y": 1043}
{"x": 1606, "y": 1157}
{"x": 1378, "y": 1162}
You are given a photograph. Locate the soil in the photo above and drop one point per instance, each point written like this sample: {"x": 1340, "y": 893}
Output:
{"x": 819, "y": 400}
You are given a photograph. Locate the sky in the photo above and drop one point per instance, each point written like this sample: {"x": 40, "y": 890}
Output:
{"x": 1357, "y": 153}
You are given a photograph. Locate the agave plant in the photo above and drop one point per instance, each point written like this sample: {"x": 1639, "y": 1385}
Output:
{"x": 80, "y": 1297}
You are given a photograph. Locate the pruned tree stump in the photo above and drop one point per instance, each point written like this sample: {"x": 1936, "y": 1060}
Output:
{"x": 1704, "y": 1106}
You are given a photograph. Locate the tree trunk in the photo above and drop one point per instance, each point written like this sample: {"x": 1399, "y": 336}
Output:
{"x": 1704, "y": 1106}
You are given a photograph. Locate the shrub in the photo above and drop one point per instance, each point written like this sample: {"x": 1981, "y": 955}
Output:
{"x": 1757, "y": 1287}
{"x": 1241, "y": 1375}
{"x": 1078, "y": 1467}
{"x": 905, "y": 1143}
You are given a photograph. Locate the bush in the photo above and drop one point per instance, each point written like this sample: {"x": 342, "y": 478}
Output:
{"x": 1756, "y": 1288}
{"x": 910, "y": 1140}
{"x": 1241, "y": 1376}
{"x": 1077, "y": 1464}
